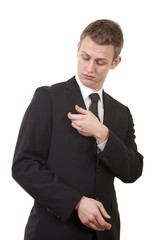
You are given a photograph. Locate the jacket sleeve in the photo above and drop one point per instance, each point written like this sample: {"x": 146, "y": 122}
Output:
{"x": 29, "y": 164}
{"x": 122, "y": 157}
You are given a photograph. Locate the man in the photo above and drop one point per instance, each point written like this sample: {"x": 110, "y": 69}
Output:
{"x": 73, "y": 141}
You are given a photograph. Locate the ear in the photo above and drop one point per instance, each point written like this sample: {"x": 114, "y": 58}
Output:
{"x": 115, "y": 62}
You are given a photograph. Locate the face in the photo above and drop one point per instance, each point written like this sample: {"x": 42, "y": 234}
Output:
{"x": 94, "y": 63}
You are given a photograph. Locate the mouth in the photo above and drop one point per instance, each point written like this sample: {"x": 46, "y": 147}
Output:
{"x": 87, "y": 76}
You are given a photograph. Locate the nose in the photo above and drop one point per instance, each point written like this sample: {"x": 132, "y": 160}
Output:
{"x": 90, "y": 67}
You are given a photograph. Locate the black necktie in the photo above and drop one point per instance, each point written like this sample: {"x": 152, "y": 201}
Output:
{"x": 94, "y": 105}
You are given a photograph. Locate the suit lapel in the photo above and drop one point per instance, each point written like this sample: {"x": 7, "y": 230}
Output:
{"x": 74, "y": 94}
{"x": 107, "y": 113}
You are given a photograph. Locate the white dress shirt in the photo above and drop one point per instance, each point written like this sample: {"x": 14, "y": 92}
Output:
{"x": 85, "y": 91}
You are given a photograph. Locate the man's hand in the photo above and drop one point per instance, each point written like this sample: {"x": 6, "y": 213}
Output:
{"x": 87, "y": 124}
{"x": 91, "y": 213}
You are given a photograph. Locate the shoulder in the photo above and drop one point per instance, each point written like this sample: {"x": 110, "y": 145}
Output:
{"x": 117, "y": 109}
{"x": 56, "y": 88}
{"x": 112, "y": 101}
{"x": 44, "y": 90}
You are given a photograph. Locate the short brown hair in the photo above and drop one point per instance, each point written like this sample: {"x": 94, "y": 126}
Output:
{"x": 105, "y": 32}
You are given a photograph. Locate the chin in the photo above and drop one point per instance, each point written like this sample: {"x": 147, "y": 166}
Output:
{"x": 87, "y": 83}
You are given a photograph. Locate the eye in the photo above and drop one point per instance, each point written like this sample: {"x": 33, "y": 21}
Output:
{"x": 85, "y": 57}
{"x": 100, "y": 62}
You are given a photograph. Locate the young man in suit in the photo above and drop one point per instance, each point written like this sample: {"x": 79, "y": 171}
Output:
{"x": 73, "y": 141}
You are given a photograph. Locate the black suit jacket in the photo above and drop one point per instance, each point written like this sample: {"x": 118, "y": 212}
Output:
{"x": 57, "y": 166}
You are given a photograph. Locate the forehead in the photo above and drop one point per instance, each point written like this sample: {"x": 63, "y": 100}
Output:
{"x": 93, "y": 49}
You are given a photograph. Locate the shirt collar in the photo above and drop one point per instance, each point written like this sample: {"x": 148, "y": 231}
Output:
{"x": 85, "y": 91}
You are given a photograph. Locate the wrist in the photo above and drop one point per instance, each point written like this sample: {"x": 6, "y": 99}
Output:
{"x": 102, "y": 133}
{"x": 77, "y": 206}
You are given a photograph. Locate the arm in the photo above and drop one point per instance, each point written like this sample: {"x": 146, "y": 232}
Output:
{"x": 29, "y": 165}
{"x": 120, "y": 157}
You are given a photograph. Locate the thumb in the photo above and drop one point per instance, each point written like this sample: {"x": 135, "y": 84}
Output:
{"x": 80, "y": 110}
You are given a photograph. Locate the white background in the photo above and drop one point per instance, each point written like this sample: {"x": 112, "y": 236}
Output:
{"x": 38, "y": 44}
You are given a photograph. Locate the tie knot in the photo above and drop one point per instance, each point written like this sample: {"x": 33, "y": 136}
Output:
{"x": 94, "y": 97}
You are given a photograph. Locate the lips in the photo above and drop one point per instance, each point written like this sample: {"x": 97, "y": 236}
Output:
{"x": 88, "y": 77}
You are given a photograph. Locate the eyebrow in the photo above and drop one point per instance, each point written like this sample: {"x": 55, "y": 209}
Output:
{"x": 104, "y": 59}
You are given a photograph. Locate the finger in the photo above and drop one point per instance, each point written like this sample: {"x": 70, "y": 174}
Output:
{"x": 98, "y": 225}
{"x": 74, "y": 116}
{"x": 103, "y": 211}
{"x": 94, "y": 227}
{"x": 80, "y": 110}
{"x": 74, "y": 125}
{"x": 102, "y": 223}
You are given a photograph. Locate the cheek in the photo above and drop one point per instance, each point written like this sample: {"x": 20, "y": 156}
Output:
{"x": 81, "y": 64}
{"x": 103, "y": 72}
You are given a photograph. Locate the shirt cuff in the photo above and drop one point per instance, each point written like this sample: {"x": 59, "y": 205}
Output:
{"x": 102, "y": 145}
